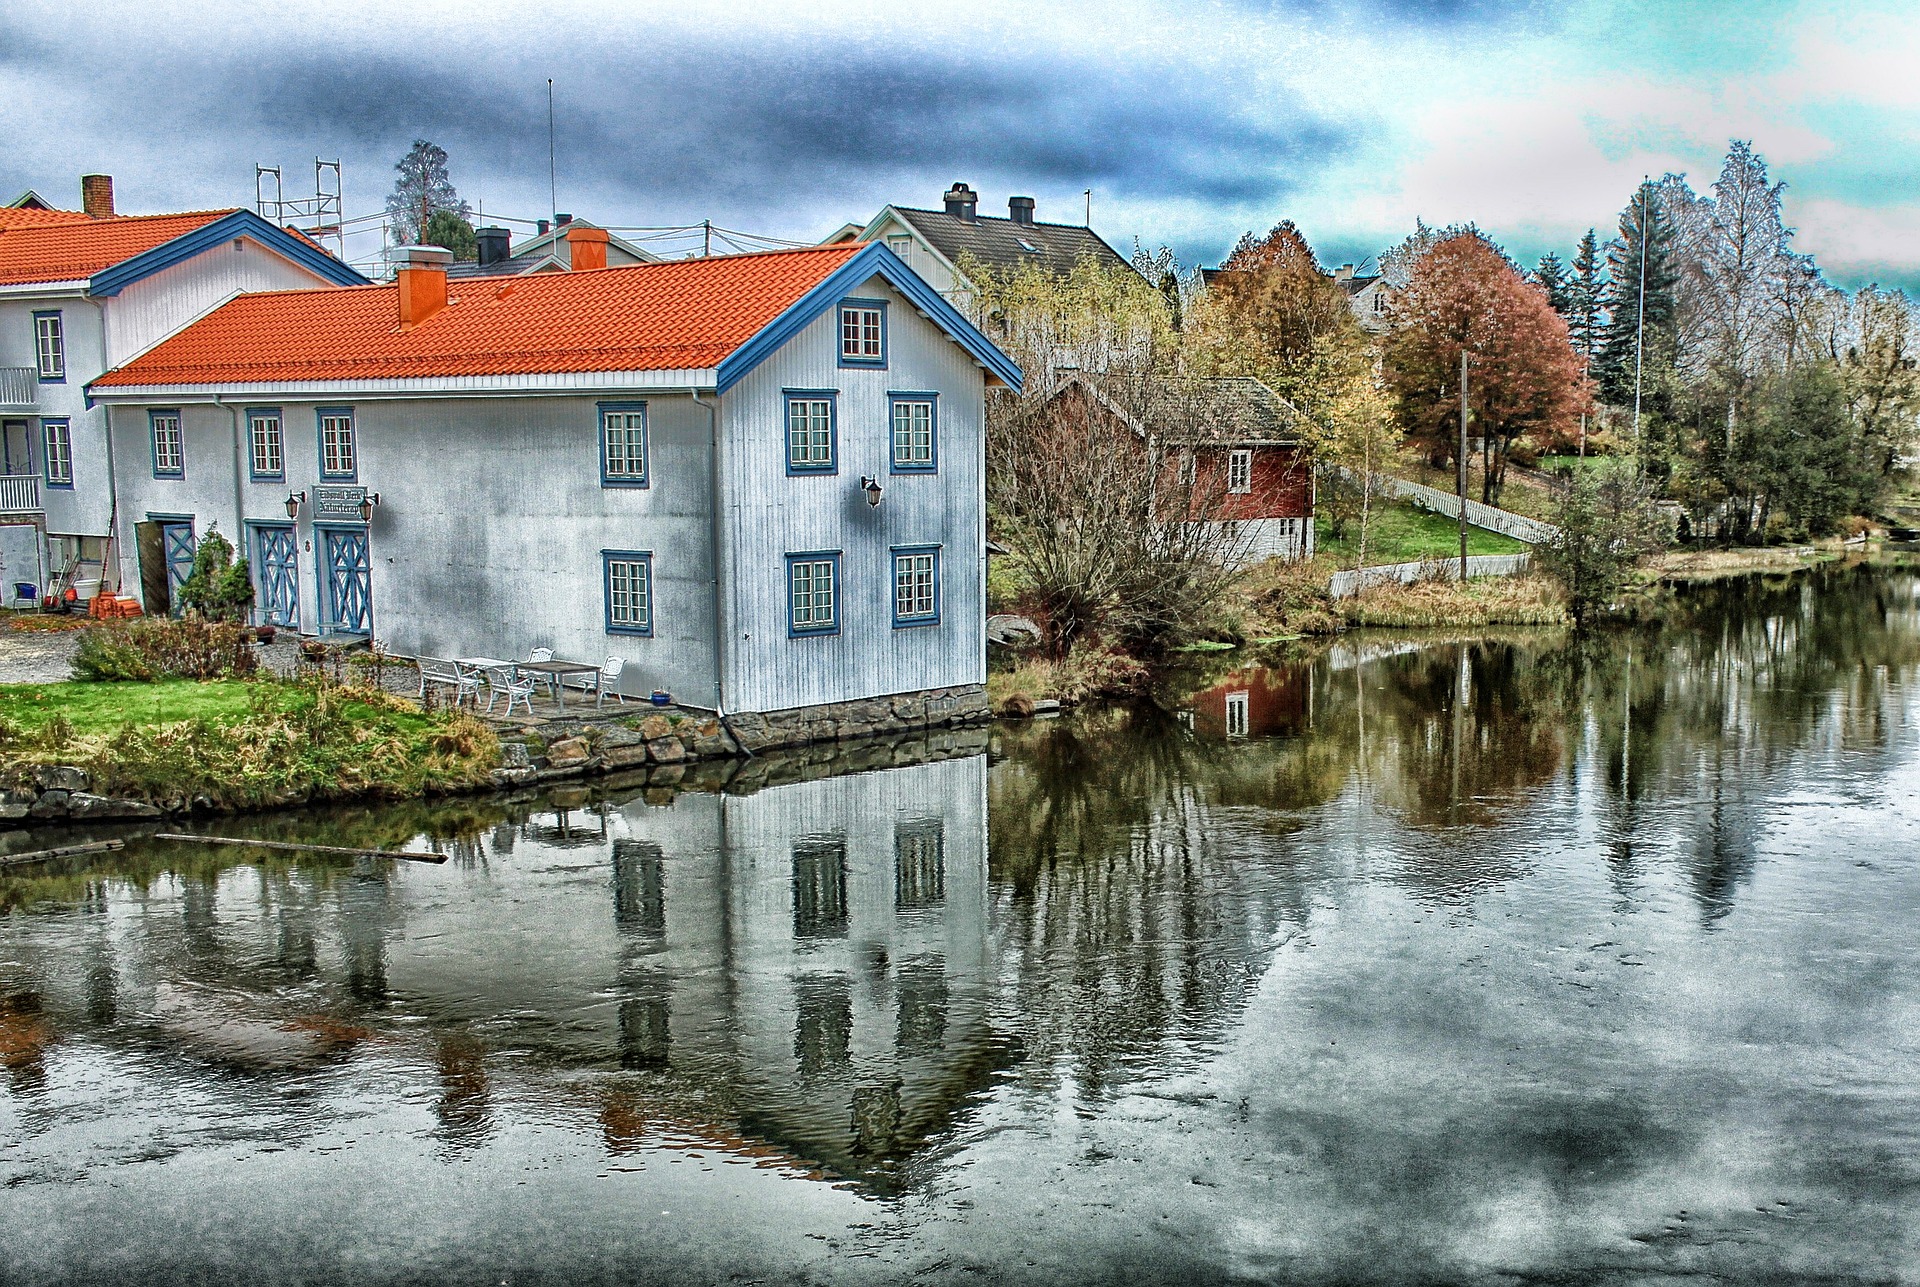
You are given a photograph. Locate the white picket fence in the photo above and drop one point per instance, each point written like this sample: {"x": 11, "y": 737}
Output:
{"x": 1344, "y": 585}
{"x": 1518, "y": 526}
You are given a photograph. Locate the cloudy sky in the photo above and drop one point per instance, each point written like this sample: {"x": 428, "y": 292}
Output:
{"x": 1191, "y": 122}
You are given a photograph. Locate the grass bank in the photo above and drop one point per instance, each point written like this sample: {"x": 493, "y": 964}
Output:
{"x": 1708, "y": 565}
{"x": 242, "y": 744}
{"x": 1399, "y": 533}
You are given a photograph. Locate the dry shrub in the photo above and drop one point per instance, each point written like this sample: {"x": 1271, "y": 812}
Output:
{"x": 149, "y": 650}
{"x": 1086, "y": 674}
{"x": 1490, "y": 601}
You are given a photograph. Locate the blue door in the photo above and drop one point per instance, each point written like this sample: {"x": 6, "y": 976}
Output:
{"x": 176, "y": 541}
{"x": 343, "y": 555}
{"x": 274, "y": 571}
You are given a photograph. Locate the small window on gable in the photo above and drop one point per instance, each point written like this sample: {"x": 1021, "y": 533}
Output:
{"x": 811, "y": 432}
{"x": 899, "y": 243}
{"x": 268, "y": 456}
{"x": 1240, "y": 471}
{"x": 50, "y": 346}
{"x": 169, "y": 456}
{"x": 629, "y": 590}
{"x": 338, "y": 455}
{"x": 623, "y": 444}
{"x": 863, "y": 333}
{"x": 914, "y": 450}
{"x": 813, "y": 594}
{"x": 57, "y": 438}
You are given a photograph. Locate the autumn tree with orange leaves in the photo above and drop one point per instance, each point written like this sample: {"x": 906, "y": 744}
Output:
{"x": 1523, "y": 376}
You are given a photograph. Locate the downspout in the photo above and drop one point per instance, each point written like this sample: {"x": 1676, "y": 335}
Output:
{"x": 715, "y": 536}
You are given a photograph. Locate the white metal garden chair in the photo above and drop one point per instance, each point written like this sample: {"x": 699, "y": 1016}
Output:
{"x": 549, "y": 682}
{"x": 503, "y": 682}
{"x": 603, "y": 684}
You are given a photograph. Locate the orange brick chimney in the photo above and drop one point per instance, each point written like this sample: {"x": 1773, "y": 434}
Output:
{"x": 96, "y": 195}
{"x": 588, "y": 247}
{"x": 422, "y": 279}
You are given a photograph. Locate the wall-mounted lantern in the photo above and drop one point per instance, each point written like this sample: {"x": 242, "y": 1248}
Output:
{"x": 367, "y": 503}
{"x": 294, "y": 501}
{"x": 871, "y": 486}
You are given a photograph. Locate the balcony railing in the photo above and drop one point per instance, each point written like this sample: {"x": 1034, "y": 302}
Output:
{"x": 20, "y": 494}
{"x": 19, "y": 387}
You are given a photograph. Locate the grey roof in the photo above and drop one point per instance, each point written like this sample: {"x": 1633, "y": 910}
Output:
{"x": 1239, "y": 408}
{"x": 1004, "y": 244}
{"x": 1358, "y": 282}
{"x": 510, "y": 267}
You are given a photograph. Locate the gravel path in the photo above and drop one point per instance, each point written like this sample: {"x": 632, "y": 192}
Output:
{"x": 35, "y": 658}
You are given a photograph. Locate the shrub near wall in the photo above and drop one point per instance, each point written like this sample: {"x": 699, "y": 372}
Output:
{"x": 145, "y": 651}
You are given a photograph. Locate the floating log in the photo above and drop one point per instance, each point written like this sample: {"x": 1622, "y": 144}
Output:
{"x": 290, "y": 847}
{"x": 48, "y": 855}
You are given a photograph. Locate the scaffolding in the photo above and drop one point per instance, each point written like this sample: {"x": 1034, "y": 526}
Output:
{"x": 324, "y": 209}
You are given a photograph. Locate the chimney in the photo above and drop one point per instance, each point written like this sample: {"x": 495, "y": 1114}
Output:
{"x": 493, "y": 244}
{"x": 1020, "y": 210}
{"x": 587, "y": 247}
{"x": 540, "y": 227}
{"x": 422, "y": 280}
{"x": 562, "y": 220}
{"x": 96, "y": 195}
{"x": 1344, "y": 273}
{"x": 963, "y": 201}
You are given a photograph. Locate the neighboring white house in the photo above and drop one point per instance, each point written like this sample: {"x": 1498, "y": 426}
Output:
{"x": 935, "y": 242}
{"x": 758, "y": 479}
{"x": 569, "y": 244}
{"x": 82, "y": 291}
{"x": 1367, "y": 295}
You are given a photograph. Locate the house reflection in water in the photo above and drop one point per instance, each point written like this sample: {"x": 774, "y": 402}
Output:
{"x": 1257, "y": 701}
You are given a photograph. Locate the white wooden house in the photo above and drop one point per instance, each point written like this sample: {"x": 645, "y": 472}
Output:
{"x": 83, "y": 291}
{"x": 759, "y": 479}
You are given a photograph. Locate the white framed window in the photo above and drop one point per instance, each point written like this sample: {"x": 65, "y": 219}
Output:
{"x": 50, "y": 346}
{"x": 863, "y": 333}
{"x": 268, "y": 454}
{"x": 916, "y": 587}
{"x": 1239, "y": 470}
{"x": 913, "y": 447}
{"x": 810, "y": 433}
{"x": 899, "y": 243}
{"x": 337, "y": 454}
{"x": 629, "y": 588}
{"x": 1236, "y": 714}
{"x": 623, "y": 445}
{"x": 57, "y": 438}
{"x": 169, "y": 455}
{"x": 813, "y": 598}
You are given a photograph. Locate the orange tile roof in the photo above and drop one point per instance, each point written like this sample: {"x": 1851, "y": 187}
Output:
{"x": 686, "y": 314}
{"x": 62, "y": 246}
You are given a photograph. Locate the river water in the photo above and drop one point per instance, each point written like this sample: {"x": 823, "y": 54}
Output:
{"x": 1502, "y": 959}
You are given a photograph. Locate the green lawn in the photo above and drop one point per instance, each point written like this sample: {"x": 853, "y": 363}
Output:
{"x": 1399, "y": 533}
{"x": 96, "y": 708}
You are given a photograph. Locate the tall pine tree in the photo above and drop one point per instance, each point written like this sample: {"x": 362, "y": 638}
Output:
{"x": 1552, "y": 277}
{"x": 1586, "y": 299}
{"x": 1640, "y": 326}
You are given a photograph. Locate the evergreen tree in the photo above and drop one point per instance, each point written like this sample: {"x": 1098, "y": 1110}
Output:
{"x": 1586, "y": 299}
{"x": 1552, "y": 276}
{"x": 1640, "y": 326}
{"x": 423, "y": 190}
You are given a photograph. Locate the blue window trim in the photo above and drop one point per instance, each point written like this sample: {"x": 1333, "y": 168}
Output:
{"x": 933, "y": 424}
{"x": 893, "y": 585}
{"x": 787, "y": 398}
{"x": 320, "y": 415}
{"x": 59, "y": 316}
{"x": 153, "y": 442}
{"x": 645, "y": 477}
{"x": 607, "y": 559}
{"x": 253, "y": 474}
{"x": 839, "y": 592}
{"x": 46, "y": 457}
{"x": 839, "y": 334}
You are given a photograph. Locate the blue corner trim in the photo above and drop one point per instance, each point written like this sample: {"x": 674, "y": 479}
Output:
{"x": 932, "y": 465}
{"x": 607, "y": 559}
{"x": 893, "y": 586}
{"x": 875, "y": 260}
{"x": 241, "y": 223}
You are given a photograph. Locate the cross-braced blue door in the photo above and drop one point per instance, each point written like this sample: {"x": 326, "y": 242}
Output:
{"x": 274, "y": 566}
{"x": 349, "y": 591}
{"x": 178, "y": 544}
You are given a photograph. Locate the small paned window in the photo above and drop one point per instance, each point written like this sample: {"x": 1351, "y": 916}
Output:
{"x": 169, "y": 457}
{"x": 50, "y": 346}
{"x": 810, "y": 434}
{"x": 623, "y": 446}
{"x": 899, "y": 243}
{"x": 57, "y": 437}
{"x": 263, "y": 431}
{"x": 863, "y": 334}
{"x": 1240, "y": 471}
{"x": 629, "y": 586}
{"x": 337, "y": 456}
{"x": 916, "y": 587}
{"x": 813, "y": 599}
{"x": 913, "y": 448}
